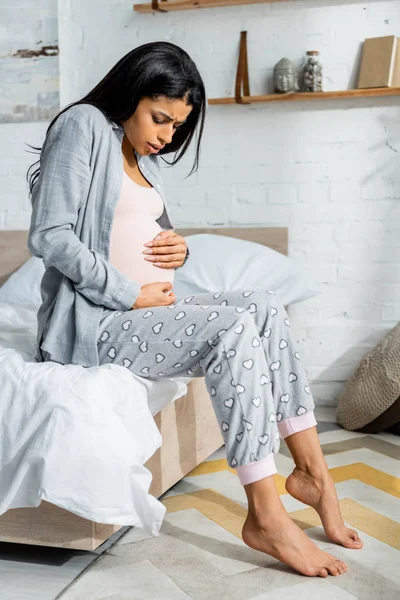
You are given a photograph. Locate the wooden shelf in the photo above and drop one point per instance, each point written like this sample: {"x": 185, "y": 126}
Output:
{"x": 393, "y": 91}
{"x": 173, "y": 5}
{"x": 243, "y": 95}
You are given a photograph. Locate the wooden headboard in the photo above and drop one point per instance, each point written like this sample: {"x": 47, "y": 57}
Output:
{"x": 14, "y": 252}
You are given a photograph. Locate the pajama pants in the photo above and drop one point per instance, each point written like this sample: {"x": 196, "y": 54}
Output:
{"x": 241, "y": 342}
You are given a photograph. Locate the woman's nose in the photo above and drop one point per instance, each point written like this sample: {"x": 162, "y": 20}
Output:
{"x": 167, "y": 135}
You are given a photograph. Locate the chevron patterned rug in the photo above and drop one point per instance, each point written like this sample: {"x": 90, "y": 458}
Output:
{"x": 199, "y": 554}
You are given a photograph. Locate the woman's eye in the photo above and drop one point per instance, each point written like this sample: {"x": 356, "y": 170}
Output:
{"x": 163, "y": 122}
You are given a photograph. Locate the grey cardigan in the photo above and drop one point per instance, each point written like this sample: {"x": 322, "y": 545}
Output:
{"x": 73, "y": 204}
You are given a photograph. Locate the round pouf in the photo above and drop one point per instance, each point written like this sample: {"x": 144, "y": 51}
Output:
{"x": 374, "y": 387}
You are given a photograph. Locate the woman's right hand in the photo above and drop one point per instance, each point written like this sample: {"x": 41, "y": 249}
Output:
{"x": 154, "y": 294}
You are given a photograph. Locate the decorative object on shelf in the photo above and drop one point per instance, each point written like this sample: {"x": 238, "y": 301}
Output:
{"x": 285, "y": 77}
{"x": 380, "y": 63}
{"x": 312, "y": 73}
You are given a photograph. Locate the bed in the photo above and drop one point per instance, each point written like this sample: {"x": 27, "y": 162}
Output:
{"x": 188, "y": 426}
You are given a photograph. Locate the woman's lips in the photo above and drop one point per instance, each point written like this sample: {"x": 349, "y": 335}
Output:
{"x": 152, "y": 149}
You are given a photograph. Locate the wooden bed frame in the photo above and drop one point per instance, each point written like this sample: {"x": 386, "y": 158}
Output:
{"x": 188, "y": 426}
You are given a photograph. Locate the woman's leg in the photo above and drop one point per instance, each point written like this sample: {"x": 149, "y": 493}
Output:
{"x": 219, "y": 344}
{"x": 268, "y": 528}
{"x": 184, "y": 340}
{"x": 312, "y": 484}
{"x": 310, "y": 481}
{"x": 294, "y": 405}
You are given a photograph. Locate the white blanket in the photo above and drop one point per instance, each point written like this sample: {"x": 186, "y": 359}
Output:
{"x": 76, "y": 437}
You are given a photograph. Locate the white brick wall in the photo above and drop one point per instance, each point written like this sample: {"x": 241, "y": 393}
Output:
{"x": 15, "y": 159}
{"x": 329, "y": 171}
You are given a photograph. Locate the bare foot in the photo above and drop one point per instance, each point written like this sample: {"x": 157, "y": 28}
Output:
{"x": 319, "y": 492}
{"x": 285, "y": 541}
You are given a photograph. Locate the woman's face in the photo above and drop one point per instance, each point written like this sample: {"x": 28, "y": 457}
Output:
{"x": 154, "y": 123}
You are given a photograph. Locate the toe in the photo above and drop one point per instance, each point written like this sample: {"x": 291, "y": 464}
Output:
{"x": 340, "y": 566}
{"x": 333, "y": 569}
{"x": 346, "y": 537}
{"x": 354, "y": 535}
{"x": 352, "y": 541}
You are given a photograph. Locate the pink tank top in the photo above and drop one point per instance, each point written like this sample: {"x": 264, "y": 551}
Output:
{"x": 135, "y": 224}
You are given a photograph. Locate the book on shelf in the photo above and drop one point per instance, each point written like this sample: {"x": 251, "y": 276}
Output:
{"x": 396, "y": 69}
{"x": 380, "y": 63}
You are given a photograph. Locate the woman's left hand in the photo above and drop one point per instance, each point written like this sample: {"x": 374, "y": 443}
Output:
{"x": 167, "y": 250}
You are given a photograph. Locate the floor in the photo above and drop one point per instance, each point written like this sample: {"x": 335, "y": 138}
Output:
{"x": 199, "y": 554}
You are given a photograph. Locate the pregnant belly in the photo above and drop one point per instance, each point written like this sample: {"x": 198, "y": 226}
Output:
{"x": 126, "y": 251}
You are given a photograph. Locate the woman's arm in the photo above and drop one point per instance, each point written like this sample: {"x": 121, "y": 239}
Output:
{"x": 161, "y": 176}
{"x": 57, "y": 196}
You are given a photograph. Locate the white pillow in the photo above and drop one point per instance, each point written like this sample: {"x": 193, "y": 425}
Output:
{"x": 220, "y": 263}
{"x": 216, "y": 263}
{"x": 23, "y": 286}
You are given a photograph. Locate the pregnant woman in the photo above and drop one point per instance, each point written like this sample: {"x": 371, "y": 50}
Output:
{"x": 100, "y": 223}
